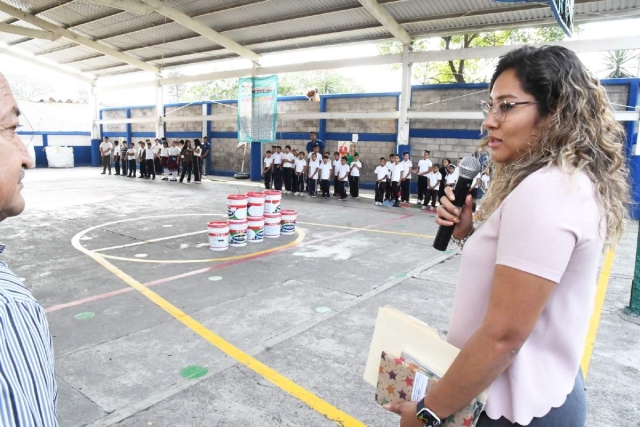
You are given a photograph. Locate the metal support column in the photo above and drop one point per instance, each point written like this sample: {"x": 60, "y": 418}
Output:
{"x": 96, "y": 130}
{"x": 405, "y": 99}
{"x": 159, "y": 111}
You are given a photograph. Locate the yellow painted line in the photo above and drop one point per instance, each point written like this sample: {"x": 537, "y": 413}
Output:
{"x": 295, "y": 390}
{"x": 300, "y": 238}
{"x": 372, "y": 230}
{"x": 603, "y": 283}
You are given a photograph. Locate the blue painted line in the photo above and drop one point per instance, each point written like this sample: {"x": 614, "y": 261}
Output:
{"x": 67, "y": 133}
{"x": 445, "y": 133}
{"x": 364, "y": 137}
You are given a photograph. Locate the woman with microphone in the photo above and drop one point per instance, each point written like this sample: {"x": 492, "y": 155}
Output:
{"x": 525, "y": 293}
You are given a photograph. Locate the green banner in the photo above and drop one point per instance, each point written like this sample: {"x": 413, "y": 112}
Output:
{"x": 257, "y": 109}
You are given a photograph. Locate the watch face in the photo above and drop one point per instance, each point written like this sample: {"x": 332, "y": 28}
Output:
{"x": 428, "y": 418}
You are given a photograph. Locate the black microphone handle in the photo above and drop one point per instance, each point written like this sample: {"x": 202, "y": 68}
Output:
{"x": 460, "y": 192}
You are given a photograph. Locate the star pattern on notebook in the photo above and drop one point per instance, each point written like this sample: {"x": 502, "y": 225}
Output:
{"x": 467, "y": 422}
{"x": 402, "y": 395}
{"x": 399, "y": 360}
{"x": 408, "y": 381}
{"x": 392, "y": 375}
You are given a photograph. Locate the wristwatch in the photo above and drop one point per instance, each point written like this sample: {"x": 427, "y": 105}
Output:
{"x": 425, "y": 415}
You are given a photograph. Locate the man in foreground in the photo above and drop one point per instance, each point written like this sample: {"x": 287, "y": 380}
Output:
{"x": 28, "y": 389}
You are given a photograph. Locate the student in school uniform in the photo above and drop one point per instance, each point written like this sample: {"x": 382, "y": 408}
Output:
{"x": 336, "y": 166}
{"x": 405, "y": 183}
{"x": 288, "y": 160}
{"x": 314, "y": 168}
{"x": 268, "y": 170}
{"x": 298, "y": 178}
{"x": 105, "y": 153}
{"x": 123, "y": 157}
{"x": 157, "y": 162}
{"x": 485, "y": 179}
{"x": 433, "y": 185}
{"x": 444, "y": 170}
{"x": 181, "y": 161}
{"x": 424, "y": 168}
{"x": 204, "y": 160}
{"x": 390, "y": 165}
{"x": 150, "y": 157}
{"x": 452, "y": 176}
{"x": 142, "y": 159}
{"x": 343, "y": 176}
{"x": 164, "y": 160}
{"x": 354, "y": 173}
{"x": 396, "y": 177}
{"x": 197, "y": 156}
{"x": 174, "y": 160}
{"x": 116, "y": 156}
{"x": 382, "y": 174}
{"x": 277, "y": 168}
{"x": 131, "y": 158}
{"x": 326, "y": 171}
{"x": 187, "y": 165}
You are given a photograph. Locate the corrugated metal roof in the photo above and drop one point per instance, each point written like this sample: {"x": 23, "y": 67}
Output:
{"x": 268, "y": 26}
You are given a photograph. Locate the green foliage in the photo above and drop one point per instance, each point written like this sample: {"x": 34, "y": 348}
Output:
{"x": 470, "y": 70}
{"x": 617, "y": 61}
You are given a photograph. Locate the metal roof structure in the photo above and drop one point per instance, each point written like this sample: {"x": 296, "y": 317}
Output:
{"x": 111, "y": 37}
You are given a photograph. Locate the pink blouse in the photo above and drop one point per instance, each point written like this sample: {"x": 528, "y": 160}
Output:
{"x": 549, "y": 226}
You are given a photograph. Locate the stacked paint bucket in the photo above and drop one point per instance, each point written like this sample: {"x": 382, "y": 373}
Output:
{"x": 272, "y": 213}
{"x": 255, "y": 217}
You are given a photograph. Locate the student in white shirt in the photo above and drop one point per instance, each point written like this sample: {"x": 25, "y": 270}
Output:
{"x": 433, "y": 185}
{"x": 485, "y": 179}
{"x": 157, "y": 163}
{"x": 314, "y": 168}
{"x": 288, "y": 160}
{"x": 116, "y": 156}
{"x": 354, "y": 172}
{"x": 197, "y": 157}
{"x": 424, "y": 168}
{"x": 105, "y": 153}
{"x": 300, "y": 166}
{"x": 150, "y": 158}
{"x": 131, "y": 159}
{"x": 382, "y": 173}
{"x": 343, "y": 176}
{"x": 326, "y": 170}
{"x": 268, "y": 170}
{"x": 396, "y": 177}
{"x": 174, "y": 159}
{"x": 336, "y": 167}
{"x": 277, "y": 168}
{"x": 142, "y": 159}
{"x": 390, "y": 165}
{"x": 164, "y": 160}
{"x": 405, "y": 178}
{"x": 452, "y": 177}
{"x": 316, "y": 150}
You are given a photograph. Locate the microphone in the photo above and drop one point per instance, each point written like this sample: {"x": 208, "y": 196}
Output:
{"x": 469, "y": 168}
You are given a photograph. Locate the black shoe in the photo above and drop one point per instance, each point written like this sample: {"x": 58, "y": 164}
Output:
{"x": 103, "y": 173}
{"x": 109, "y": 173}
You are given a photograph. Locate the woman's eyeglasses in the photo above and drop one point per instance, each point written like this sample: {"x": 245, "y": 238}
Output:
{"x": 500, "y": 109}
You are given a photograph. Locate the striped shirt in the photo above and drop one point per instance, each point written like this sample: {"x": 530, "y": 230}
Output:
{"x": 28, "y": 389}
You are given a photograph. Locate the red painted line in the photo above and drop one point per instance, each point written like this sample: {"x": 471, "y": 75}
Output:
{"x": 213, "y": 268}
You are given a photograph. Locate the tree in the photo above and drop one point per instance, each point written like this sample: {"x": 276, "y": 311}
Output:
{"x": 177, "y": 91}
{"x": 465, "y": 71}
{"x": 617, "y": 62}
{"x": 212, "y": 90}
{"x": 27, "y": 88}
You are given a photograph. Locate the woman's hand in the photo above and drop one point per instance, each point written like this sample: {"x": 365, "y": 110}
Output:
{"x": 407, "y": 412}
{"x": 449, "y": 214}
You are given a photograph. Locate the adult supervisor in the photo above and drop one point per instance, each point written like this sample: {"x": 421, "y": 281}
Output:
{"x": 527, "y": 279}
{"x": 313, "y": 140}
{"x": 28, "y": 390}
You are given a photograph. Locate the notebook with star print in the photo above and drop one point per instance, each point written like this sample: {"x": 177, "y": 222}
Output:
{"x": 402, "y": 378}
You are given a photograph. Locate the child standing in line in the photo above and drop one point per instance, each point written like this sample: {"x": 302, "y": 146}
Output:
{"x": 390, "y": 166}
{"x": 164, "y": 160}
{"x": 197, "y": 157}
{"x": 326, "y": 170}
{"x": 142, "y": 159}
{"x": 354, "y": 172}
{"x": 433, "y": 185}
{"x": 314, "y": 168}
{"x": 396, "y": 176}
{"x": 131, "y": 157}
{"x": 336, "y": 168}
{"x": 181, "y": 161}
{"x": 187, "y": 165}
{"x": 424, "y": 168}
{"x": 298, "y": 178}
{"x": 382, "y": 173}
{"x": 150, "y": 157}
{"x": 452, "y": 176}
{"x": 116, "y": 156}
{"x": 343, "y": 176}
{"x": 288, "y": 160}
{"x": 123, "y": 157}
{"x": 174, "y": 159}
{"x": 268, "y": 170}
{"x": 277, "y": 168}
{"x": 405, "y": 180}
{"x": 485, "y": 179}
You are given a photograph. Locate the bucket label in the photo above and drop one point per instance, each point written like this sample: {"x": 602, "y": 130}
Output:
{"x": 256, "y": 233}
{"x": 237, "y": 237}
{"x": 237, "y": 212}
{"x": 288, "y": 227}
{"x": 256, "y": 211}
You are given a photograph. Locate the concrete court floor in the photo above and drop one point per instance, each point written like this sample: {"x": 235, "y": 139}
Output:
{"x": 123, "y": 365}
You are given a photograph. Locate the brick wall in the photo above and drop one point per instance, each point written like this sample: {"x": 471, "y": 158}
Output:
{"x": 226, "y": 156}
{"x": 379, "y": 103}
{"x": 143, "y": 112}
{"x": 191, "y": 110}
{"x": 224, "y": 125}
{"x": 297, "y": 106}
{"x": 114, "y": 114}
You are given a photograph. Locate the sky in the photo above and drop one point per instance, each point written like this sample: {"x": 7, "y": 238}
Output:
{"x": 372, "y": 79}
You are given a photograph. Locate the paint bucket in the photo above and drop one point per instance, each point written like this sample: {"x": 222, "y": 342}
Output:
{"x": 272, "y": 225}
{"x": 237, "y": 232}
{"x": 237, "y": 206}
{"x": 255, "y": 205}
{"x": 288, "y": 222}
{"x": 272, "y": 201}
{"x": 255, "y": 230}
{"x": 218, "y": 235}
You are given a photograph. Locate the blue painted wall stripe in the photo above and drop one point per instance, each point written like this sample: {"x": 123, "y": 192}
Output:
{"x": 445, "y": 133}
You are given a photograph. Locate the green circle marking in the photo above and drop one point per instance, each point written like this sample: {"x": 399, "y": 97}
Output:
{"x": 322, "y": 309}
{"x": 84, "y": 316}
{"x": 194, "y": 371}
{"x": 215, "y": 278}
